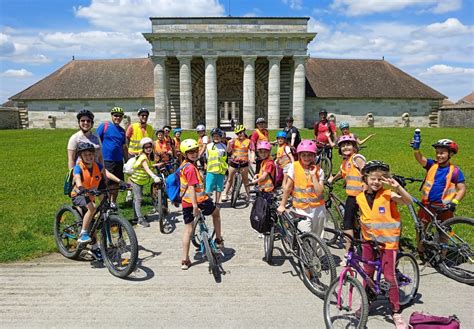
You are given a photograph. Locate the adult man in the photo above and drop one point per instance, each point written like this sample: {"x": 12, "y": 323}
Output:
{"x": 137, "y": 131}
{"x": 115, "y": 149}
{"x": 293, "y": 137}
{"x": 324, "y": 130}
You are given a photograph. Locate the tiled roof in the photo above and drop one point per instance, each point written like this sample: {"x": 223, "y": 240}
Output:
{"x": 469, "y": 99}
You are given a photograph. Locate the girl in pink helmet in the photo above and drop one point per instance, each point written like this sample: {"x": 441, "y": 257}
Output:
{"x": 306, "y": 184}
{"x": 266, "y": 176}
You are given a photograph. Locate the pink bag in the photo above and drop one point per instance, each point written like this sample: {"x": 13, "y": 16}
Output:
{"x": 427, "y": 321}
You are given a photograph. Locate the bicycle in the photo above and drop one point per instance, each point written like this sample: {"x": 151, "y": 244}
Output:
{"x": 316, "y": 262}
{"x": 237, "y": 185}
{"x": 335, "y": 209}
{"x": 346, "y": 303}
{"x": 324, "y": 158}
{"x": 118, "y": 241}
{"x": 448, "y": 245}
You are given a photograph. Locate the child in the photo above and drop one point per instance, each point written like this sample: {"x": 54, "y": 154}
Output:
{"x": 202, "y": 142}
{"x": 306, "y": 183}
{"x": 380, "y": 222}
{"x": 162, "y": 149}
{"x": 351, "y": 166}
{"x": 194, "y": 199}
{"x": 283, "y": 157}
{"x": 260, "y": 134}
{"x": 266, "y": 176}
{"x": 176, "y": 143}
{"x": 344, "y": 126}
{"x": 216, "y": 154}
{"x": 141, "y": 176}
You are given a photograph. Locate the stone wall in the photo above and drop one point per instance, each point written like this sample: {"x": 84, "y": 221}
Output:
{"x": 9, "y": 118}
{"x": 456, "y": 117}
{"x": 387, "y": 112}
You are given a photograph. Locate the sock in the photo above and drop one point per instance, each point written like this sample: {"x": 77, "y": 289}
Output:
{"x": 83, "y": 231}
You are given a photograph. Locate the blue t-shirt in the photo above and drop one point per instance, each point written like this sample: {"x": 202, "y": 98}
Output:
{"x": 78, "y": 171}
{"x": 112, "y": 141}
{"x": 439, "y": 184}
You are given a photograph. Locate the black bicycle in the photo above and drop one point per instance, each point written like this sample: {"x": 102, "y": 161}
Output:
{"x": 118, "y": 241}
{"x": 324, "y": 158}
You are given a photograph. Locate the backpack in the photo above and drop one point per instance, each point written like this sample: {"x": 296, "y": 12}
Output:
{"x": 128, "y": 167}
{"x": 69, "y": 182}
{"x": 427, "y": 321}
{"x": 173, "y": 185}
{"x": 260, "y": 215}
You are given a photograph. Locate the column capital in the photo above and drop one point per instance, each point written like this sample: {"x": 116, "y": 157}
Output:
{"x": 298, "y": 59}
{"x": 210, "y": 59}
{"x": 248, "y": 59}
{"x": 159, "y": 59}
{"x": 275, "y": 59}
{"x": 184, "y": 58}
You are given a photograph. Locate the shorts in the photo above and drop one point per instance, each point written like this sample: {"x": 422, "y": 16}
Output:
{"x": 236, "y": 165}
{"x": 350, "y": 212}
{"x": 81, "y": 200}
{"x": 214, "y": 182}
{"x": 285, "y": 168}
{"x": 115, "y": 168}
{"x": 207, "y": 207}
{"x": 425, "y": 217}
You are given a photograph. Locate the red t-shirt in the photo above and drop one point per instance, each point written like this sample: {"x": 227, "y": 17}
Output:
{"x": 190, "y": 173}
{"x": 321, "y": 129}
{"x": 271, "y": 168}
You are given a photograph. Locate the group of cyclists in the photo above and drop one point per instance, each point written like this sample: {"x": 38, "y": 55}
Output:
{"x": 98, "y": 159}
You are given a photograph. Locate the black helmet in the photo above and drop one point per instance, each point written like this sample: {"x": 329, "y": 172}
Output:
{"x": 217, "y": 131}
{"x": 323, "y": 111}
{"x": 373, "y": 165}
{"x": 85, "y": 146}
{"x": 143, "y": 110}
{"x": 289, "y": 119}
{"x": 85, "y": 113}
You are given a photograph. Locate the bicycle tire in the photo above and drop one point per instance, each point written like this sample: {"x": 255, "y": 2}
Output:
{"x": 236, "y": 190}
{"x": 326, "y": 166}
{"x": 211, "y": 257}
{"x": 160, "y": 210}
{"x": 456, "y": 262}
{"x": 317, "y": 265}
{"x": 268, "y": 242}
{"x": 407, "y": 273}
{"x": 332, "y": 222}
{"x": 332, "y": 313}
{"x": 120, "y": 257}
{"x": 286, "y": 236}
{"x": 67, "y": 227}
{"x": 195, "y": 238}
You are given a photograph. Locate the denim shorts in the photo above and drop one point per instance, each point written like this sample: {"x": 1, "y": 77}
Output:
{"x": 214, "y": 182}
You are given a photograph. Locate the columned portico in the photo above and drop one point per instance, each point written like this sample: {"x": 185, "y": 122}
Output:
{"x": 161, "y": 103}
{"x": 299, "y": 92}
{"x": 185, "y": 92}
{"x": 210, "y": 90}
{"x": 274, "y": 92}
{"x": 249, "y": 91}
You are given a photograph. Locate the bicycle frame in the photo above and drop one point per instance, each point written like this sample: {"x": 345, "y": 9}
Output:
{"x": 291, "y": 231}
{"x": 204, "y": 229}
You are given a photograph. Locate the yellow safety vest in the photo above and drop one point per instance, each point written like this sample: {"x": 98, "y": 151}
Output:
{"x": 304, "y": 195}
{"x": 140, "y": 176}
{"x": 134, "y": 146}
{"x": 215, "y": 163}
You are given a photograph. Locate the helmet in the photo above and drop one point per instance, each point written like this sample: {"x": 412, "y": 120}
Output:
{"x": 373, "y": 165}
{"x": 158, "y": 131}
{"x": 167, "y": 127}
{"x": 323, "y": 111}
{"x": 346, "y": 138}
{"x": 289, "y": 119}
{"x": 344, "y": 125}
{"x": 264, "y": 145}
{"x": 239, "y": 129}
{"x": 217, "y": 131}
{"x": 187, "y": 145}
{"x": 146, "y": 140}
{"x": 143, "y": 110}
{"x": 177, "y": 130}
{"x": 260, "y": 120}
{"x": 281, "y": 134}
{"x": 117, "y": 110}
{"x": 306, "y": 145}
{"x": 85, "y": 146}
{"x": 447, "y": 143}
{"x": 85, "y": 113}
{"x": 200, "y": 128}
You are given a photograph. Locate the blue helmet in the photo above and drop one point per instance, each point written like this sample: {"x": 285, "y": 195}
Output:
{"x": 344, "y": 125}
{"x": 177, "y": 130}
{"x": 281, "y": 134}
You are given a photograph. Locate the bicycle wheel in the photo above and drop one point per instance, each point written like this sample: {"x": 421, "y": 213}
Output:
{"x": 316, "y": 263}
{"x": 332, "y": 222}
{"x": 457, "y": 242}
{"x": 211, "y": 257}
{"x": 161, "y": 212}
{"x": 236, "y": 189}
{"x": 196, "y": 235}
{"x": 67, "y": 227}
{"x": 407, "y": 273}
{"x": 352, "y": 310}
{"x": 268, "y": 241}
{"x": 326, "y": 166}
{"x": 119, "y": 246}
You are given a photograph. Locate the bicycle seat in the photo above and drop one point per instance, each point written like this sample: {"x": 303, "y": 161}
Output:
{"x": 296, "y": 217}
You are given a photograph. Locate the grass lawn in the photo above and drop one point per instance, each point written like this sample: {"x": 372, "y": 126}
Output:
{"x": 34, "y": 162}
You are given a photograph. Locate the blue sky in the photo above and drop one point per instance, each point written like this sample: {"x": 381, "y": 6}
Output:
{"x": 432, "y": 40}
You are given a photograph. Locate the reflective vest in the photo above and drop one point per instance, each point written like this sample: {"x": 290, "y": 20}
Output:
{"x": 262, "y": 135}
{"x": 177, "y": 143}
{"x": 282, "y": 156}
{"x": 267, "y": 184}
{"x": 200, "y": 143}
{"x": 201, "y": 195}
{"x": 382, "y": 222}
{"x": 134, "y": 146}
{"x": 240, "y": 150}
{"x": 449, "y": 191}
{"x": 140, "y": 176}
{"x": 89, "y": 181}
{"x": 215, "y": 163}
{"x": 304, "y": 195}
{"x": 161, "y": 149}
{"x": 352, "y": 175}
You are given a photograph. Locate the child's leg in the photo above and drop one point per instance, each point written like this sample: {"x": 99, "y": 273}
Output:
{"x": 318, "y": 221}
{"x": 188, "y": 229}
{"x": 88, "y": 216}
{"x": 219, "y": 186}
{"x": 216, "y": 220}
{"x": 137, "y": 199}
{"x": 368, "y": 254}
{"x": 388, "y": 258}
{"x": 245, "y": 179}
{"x": 350, "y": 212}
{"x": 230, "y": 180}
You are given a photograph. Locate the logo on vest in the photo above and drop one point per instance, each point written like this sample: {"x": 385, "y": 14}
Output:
{"x": 382, "y": 210}
{"x": 97, "y": 177}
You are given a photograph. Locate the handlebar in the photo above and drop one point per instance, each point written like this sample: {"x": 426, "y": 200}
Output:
{"x": 403, "y": 180}
{"x": 97, "y": 192}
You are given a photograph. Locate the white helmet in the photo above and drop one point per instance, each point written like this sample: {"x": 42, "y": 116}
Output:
{"x": 201, "y": 128}
{"x": 146, "y": 140}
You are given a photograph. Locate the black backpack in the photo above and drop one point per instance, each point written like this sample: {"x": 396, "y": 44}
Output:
{"x": 260, "y": 215}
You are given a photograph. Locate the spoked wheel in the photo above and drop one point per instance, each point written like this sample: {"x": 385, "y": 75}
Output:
{"x": 407, "y": 273}
{"x": 236, "y": 190}
{"x": 67, "y": 227}
{"x": 326, "y": 166}
{"x": 352, "y": 310}
{"x": 211, "y": 257}
{"x": 332, "y": 222}
{"x": 457, "y": 257}
{"x": 268, "y": 241}
{"x": 317, "y": 264}
{"x": 119, "y": 246}
{"x": 195, "y": 234}
{"x": 157, "y": 200}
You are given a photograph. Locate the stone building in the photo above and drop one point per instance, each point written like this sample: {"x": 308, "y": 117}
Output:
{"x": 210, "y": 70}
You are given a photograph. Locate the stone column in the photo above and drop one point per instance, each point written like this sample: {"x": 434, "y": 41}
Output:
{"x": 210, "y": 91}
{"x": 185, "y": 92}
{"x": 274, "y": 92}
{"x": 299, "y": 94}
{"x": 249, "y": 92}
{"x": 226, "y": 110}
{"x": 233, "y": 111}
{"x": 161, "y": 108}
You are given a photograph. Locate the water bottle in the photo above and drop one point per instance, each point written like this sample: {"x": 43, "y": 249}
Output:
{"x": 417, "y": 139}
{"x": 342, "y": 209}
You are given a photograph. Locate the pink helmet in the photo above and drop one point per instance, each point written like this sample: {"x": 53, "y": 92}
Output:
{"x": 346, "y": 138}
{"x": 306, "y": 145}
{"x": 264, "y": 145}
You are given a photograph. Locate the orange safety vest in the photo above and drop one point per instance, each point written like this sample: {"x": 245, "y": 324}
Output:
{"x": 382, "y": 222}
{"x": 352, "y": 175}
{"x": 240, "y": 150}
{"x": 282, "y": 156}
{"x": 177, "y": 143}
{"x": 304, "y": 195}
{"x": 267, "y": 184}
{"x": 262, "y": 136}
{"x": 89, "y": 181}
{"x": 199, "y": 188}
{"x": 449, "y": 191}
{"x": 162, "y": 149}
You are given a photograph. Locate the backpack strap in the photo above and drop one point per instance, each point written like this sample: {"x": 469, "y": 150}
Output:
{"x": 182, "y": 168}
{"x": 106, "y": 126}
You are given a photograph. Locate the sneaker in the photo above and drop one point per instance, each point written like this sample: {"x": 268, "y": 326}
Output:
{"x": 84, "y": 238}
{"x": 185, "y": 264}
{"x": 97, "y": 254}
{"x": 399, "y": 322}
{"x": 219, "y": 243}
{"x": 142, "y": 222}
{"x": 113, "y": 206}
{"x": 129, "y": 196}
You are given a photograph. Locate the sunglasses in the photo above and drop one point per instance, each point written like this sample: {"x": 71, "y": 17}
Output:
{"x": 117, "y": 115}
{"x": 144, "y": 115}
{"x": 148, "y": 146}
{"x": 86, "y": 120}
{"x": 193, "y": 151}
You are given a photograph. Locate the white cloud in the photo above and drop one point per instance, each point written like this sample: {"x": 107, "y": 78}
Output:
{"x": 294, "y": 4}
{"x": 446, "y": 69}
{"x": 445, "y": 6}
{"x": 7, "y": 47}
{"x": 33, "y": 59}
{"x": 448, "y": 28}
{"x": 22, "y": 73}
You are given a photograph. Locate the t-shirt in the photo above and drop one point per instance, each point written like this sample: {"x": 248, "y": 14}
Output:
{"x": 322, "y": 128}
{"x": 289, "y": 132}
{"x": 113, "y": 140}
{"x": 308, "y": 212}
{"x": 78, "y": 137}
{"x": 270, "y": 168}
{"x": 78, "y": 170}
{"x": 190, "y": 173}
{"x": 439, "y": 184}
